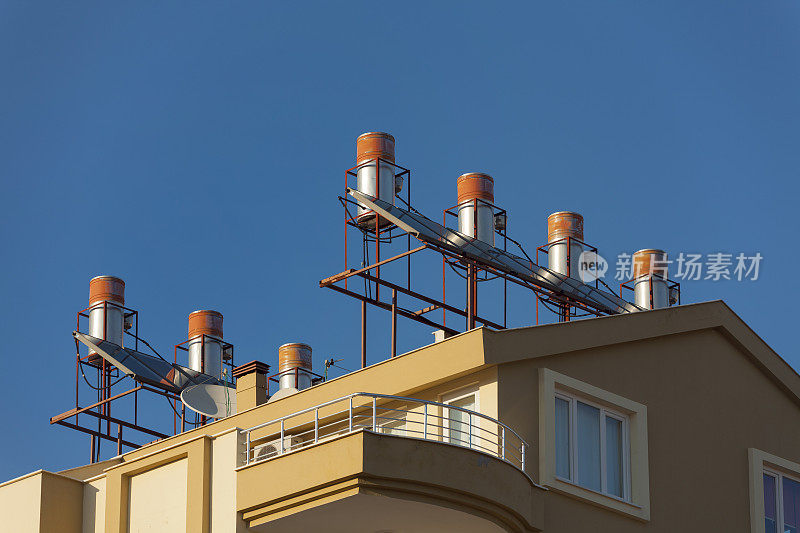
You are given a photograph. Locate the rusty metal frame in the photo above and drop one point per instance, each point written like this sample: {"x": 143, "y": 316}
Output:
{"x": 671, "y": 284}
{"x": 382, "y": 234}
{"x": 225, "y": 362}
{"x": 276, "y": 377}
{"x": 566, "y": 304}
{"x": 108, "y": 376}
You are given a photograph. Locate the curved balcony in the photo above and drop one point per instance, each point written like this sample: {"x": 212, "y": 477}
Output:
{"x": 387, "y": 414}
{"x": 376, "y": 462}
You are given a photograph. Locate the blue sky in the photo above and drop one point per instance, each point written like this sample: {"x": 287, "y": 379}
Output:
{"x": 196, "y": 150}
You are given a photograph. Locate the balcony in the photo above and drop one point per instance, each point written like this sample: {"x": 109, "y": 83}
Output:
{"x": 375, "y": 462}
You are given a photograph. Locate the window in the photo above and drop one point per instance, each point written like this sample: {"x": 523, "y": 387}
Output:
{"x": 591, "y": 446}
{"x": 781, "y": 503}
{"x": 459, "y": 429}
{"x": 774, "y": 493}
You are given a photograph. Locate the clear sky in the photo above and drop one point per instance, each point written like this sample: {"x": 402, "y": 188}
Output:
{"x": 197, "y": 149}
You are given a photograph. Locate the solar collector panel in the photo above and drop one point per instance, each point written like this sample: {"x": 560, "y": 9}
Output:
{"x": 426, "y": 230}
{"x": 145, "y": 368}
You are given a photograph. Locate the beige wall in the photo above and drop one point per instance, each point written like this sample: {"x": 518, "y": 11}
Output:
{"x": 707, "y": 403}
{"x": 94, "y": 505}
{"x": 20, "y": 504}
{"x": 226, "y": 455}
{"x": 157, "y": 499}
{"x": 41, "y": 501}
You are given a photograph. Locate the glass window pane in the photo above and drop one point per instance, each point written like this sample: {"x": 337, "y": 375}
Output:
{"x": 770, "y": 525}
{"x": 589, "y": 446}
{"x": 614, "y": 456}
{"x": 791, "y": 505}
{"x": 562, "y": 439}
{"x": 458, "y": 421}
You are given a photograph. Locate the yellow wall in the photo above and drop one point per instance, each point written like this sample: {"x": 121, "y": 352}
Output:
{"x": 157, "y": 499}
{"x": 94, "y": 505}
{"x": 41, "y": 501}
{"x": 20, "y": 504}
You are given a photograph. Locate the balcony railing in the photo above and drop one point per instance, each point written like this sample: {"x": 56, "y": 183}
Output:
{"x": 383, "y": 413}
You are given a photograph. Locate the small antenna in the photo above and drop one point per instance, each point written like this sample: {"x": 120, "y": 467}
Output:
{"x": 332, "y": 362}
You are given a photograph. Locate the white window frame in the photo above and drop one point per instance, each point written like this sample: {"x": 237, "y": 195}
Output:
{"x": 605, "y": 412}
{"x": 761, "y": 463}
{"x": 778, "y": 475}
{"x": 455, "y": 396}
{"x": 637, "y": 502}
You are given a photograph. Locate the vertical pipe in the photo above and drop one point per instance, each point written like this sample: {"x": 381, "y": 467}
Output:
{"x": 344, "y": 208}
{"x": 523, "y": 456}
{"x": 374, "y": 414}
{"x": 394, "y": 322}
{"x": 363, "y": 334}
{"x": 503, "y": 442}
{"x": 408, "y": 236}
{"x": 470, "y": 296}
{"x": 283, "y": 432}
{"x": 444, "y": 299}
{"x": 378, "y": 228}
{"x": 119, "y": 439}
{"x": 91, "y": 450}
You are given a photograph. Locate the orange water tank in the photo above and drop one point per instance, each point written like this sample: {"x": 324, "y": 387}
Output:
{"x": 476, "y": 190}
{"x": 294, "y": 361}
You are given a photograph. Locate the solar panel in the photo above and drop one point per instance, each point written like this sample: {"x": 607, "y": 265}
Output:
{"x": 146, "y": 368}
{"x": 426, "y": 230}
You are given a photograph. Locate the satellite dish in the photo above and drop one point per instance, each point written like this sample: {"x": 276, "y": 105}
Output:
{"x": 216, "y": 401}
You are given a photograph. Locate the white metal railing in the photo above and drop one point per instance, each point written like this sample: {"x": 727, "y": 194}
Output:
{"x": 383, "y": 413}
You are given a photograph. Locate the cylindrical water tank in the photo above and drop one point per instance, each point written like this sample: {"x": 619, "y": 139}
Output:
{"x": 106, "y": 316}
{"x": 291, "y": 356}
{"x": 650, "y": 273}
{"x": 564, "y": 227}
{"x": 205, "y": 342}
{"x": 474, "y": 190}
{"x": 369, "y": 147}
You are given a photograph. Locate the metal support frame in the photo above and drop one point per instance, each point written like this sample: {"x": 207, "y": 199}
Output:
{"x": 227, "y": 361}
{"x": 671, "y": 284}
{"x": 108, "y": 377}
{"x": 472, "y": 271}
{"x": 563, "y": 304}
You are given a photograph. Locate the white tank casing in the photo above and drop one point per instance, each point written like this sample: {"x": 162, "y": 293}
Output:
{"x": 650, "y": 269}
{"x": 291, "y": 356}
{"x": 369, "y": 147}
{"x": 106, "y": 316}
{"x": 476, "y": 189}
{"x": 205, "y": 353}
{"x": 561, "y": 226}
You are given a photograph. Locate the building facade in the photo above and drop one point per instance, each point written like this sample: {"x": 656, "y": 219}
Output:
{"x": 678, "y": 419}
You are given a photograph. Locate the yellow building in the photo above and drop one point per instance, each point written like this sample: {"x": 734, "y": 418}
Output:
{"x": 678, "y": 419}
